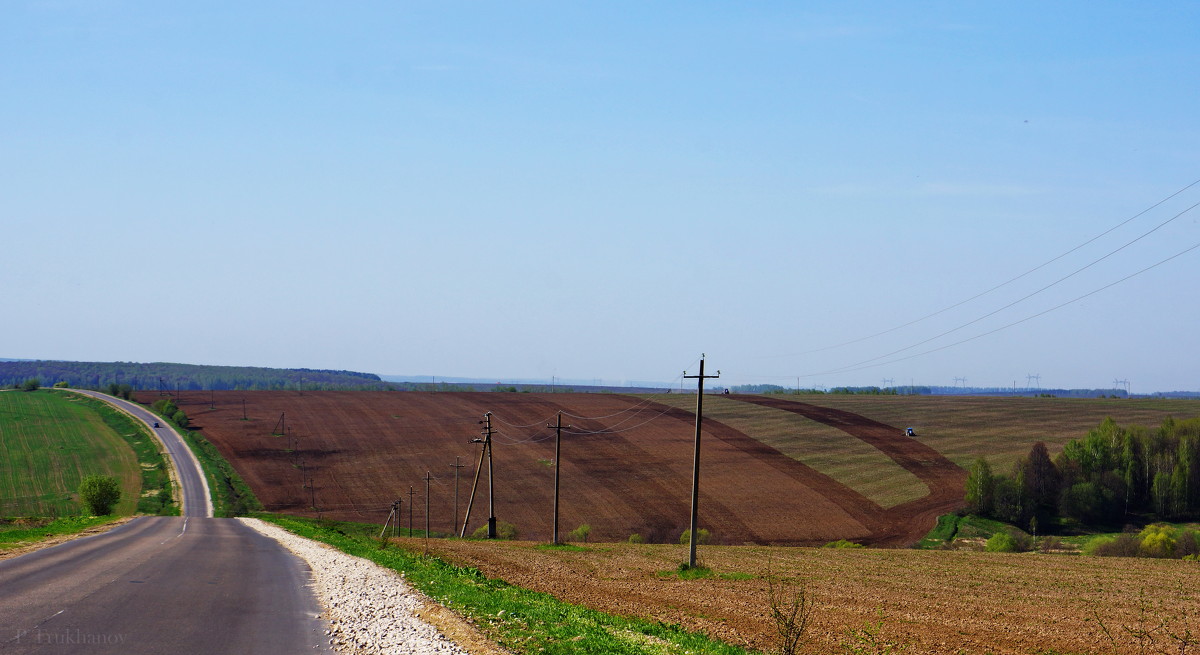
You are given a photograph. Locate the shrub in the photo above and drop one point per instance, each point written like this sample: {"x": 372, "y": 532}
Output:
{"x": 701, "y": 537}
{"x": 62, "y": 384}
{"x": 581, "y": 533}
{"x": 1157, "y": 541}
{"x": 164, "y": 498}
{"x": 792, "y": 607}
{"x": 636, "y": 538}
{"x": 99, "y": 494}
{"x": 1187, "y": 544}
{"x": 842, "y": 543}
{"x": 1049, "y": 544}
{"x": 180, "y": 418}
{"x": 1122, "y": 545}
{"x": 1001, "y": 542}
{"x": 32, "y": 384}
{"x": 504, "y": 530}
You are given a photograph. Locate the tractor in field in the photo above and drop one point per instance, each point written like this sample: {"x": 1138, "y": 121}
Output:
{"x": 910, "y": 432}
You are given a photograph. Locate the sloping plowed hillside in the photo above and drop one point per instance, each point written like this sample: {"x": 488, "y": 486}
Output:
{"x": 626, "y": 464}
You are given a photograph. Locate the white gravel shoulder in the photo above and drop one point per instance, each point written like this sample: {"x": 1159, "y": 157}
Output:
{"x": 370, "y": 609}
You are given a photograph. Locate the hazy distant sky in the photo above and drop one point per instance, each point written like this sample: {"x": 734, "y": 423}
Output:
{"x": 603, "y": 190}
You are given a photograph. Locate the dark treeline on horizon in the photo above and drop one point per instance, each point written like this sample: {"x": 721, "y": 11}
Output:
{"x": 926, "y": 390}
{"x": 183, "y": 377}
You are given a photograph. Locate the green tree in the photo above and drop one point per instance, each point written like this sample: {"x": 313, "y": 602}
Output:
{"x": 1082, "y": 502}
{"x": 1009, "y": 501}
{"x": 99, "y": 494}
{"x": 32, "y": 384}
{"x": 702, "y": 536}
{"x": 1042, "y": 481}
{"x": 981, "y": 488}
{"x": 164, "y": 406}
{"x": 1160, "y": 493}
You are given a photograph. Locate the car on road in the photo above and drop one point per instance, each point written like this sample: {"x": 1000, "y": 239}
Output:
{"x": 156, "y": 424}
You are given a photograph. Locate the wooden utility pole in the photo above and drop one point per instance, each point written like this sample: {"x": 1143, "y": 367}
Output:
{"x": 427, "y": 505}
{"x": 411, "y": 493}
{"x": 487, "y": 445}
{"x": 486, "y": 451}
{"x": 392, "y": 514}
{"x": 558, "y": 426}
{"x": 456, "y": 466}
{"x": 312, "y": 490}
{"x": 696, "y": 459}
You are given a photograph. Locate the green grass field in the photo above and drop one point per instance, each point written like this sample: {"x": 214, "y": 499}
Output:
{"x": 962, "y": 428}
{"x": 48, "y": 443}
{"x": 850, "y": 461}
{"x": 1001, "y": 429}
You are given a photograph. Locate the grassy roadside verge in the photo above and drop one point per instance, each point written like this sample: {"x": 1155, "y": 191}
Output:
{"x": 16, "y": 532}
{"x": 518, "y": 619}
{"x": 156, "y": 479}
{"x": 231, "y": 494}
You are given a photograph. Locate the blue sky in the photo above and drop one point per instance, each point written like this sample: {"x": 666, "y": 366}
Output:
{"x": 604, "y": 191}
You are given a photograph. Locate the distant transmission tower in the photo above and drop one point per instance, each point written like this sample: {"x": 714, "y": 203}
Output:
{"x": 1033, "y": 377}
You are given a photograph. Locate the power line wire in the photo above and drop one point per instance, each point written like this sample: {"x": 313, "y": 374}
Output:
{"x": 1027, "y": 297}
{"x": 1002, "y": 284}
{"x": 1018, "y": 322}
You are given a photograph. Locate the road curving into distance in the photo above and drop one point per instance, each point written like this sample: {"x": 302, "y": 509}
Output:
{"x": 195, "y": 497}
{"x": 188, "y": 584}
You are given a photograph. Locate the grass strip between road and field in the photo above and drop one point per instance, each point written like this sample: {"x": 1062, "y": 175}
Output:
{"x": 518, "y": 619}
{"x": 231, "y": 495}
{"x": 15, "y": 532}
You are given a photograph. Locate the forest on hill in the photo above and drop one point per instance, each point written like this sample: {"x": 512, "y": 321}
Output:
{"x": 183, "y": 377}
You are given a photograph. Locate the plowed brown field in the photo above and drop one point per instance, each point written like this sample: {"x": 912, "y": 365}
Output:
{"x": 940, "y": 602}
{"x": 626, "y": 470}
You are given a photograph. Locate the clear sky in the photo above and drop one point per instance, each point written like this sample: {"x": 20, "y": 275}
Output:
{"x": 604, "y": 190}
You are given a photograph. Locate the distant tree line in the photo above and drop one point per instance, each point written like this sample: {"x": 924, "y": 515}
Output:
{"x": 1111, "y": 473}
{"x": 183, "y": 377}
{"x": 846, "y": 391}
{"x": 1025, "y": 391}
{"x": 923, "y": 390}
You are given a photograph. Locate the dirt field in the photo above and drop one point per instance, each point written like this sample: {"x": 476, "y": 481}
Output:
{"x": 627, "y": 469}
{"x": 928, "y": 601}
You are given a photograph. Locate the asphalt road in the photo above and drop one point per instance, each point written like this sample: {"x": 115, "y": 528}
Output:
{"x": 190, "y": 584}
{"x": 197, "y": 502}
